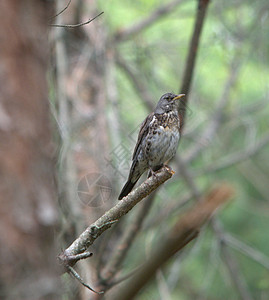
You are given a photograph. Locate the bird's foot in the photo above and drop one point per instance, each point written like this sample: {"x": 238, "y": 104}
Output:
{"x": 153, "y": 172}
{"x": 169, "y": 169}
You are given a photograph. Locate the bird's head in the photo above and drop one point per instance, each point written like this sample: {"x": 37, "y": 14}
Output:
{"x": 168, "y": 102}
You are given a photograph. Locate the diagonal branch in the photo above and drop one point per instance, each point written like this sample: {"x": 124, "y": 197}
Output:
{"x": 235, "y": 275}
{"x": 112, "y": 216}
{"x": 161, "y": 11}
{"x": 185, "y": 230}
{"x": 189, "y": 68}
{"x": 137, "y": 82}
{"x": 231, "y": 263}
{"x": 62, "y": 10}
{"x": 127, "y": 240}
{"x": 235, "y": 158}
{"x": 247, "y": 250}
{"x": 192, "y": 54}
{"x": 215, "y": 122}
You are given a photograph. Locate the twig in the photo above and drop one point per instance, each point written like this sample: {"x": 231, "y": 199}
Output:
{"x": 236, "y": 157}
{"x": 65, "y": 8}
{"x": 163, "y": 286}
{"x": 114, "y": 214}
{"x": 235, "y": 275}
{"x": 65, "y": 179}
{"x": 185, "y": 230}
{"x": 72, "y": 271}
{"x": 76, "y": 25}
{"x": 189, "y": 68}
{"x": 192, "y": 54}
{"x": 231, "y": 264}
{"x": 127, "y": 33}
{"x": 255, "y": 176}
{"x": 215, "y": 122}
{"x": 188, "y": 178}
{"x": 124, "y": 277}
{"x": 137, "y": 83}
{"x": 247, "y": 250}
{"x": 120, "y": 252}
{"x": 171, "y": 209}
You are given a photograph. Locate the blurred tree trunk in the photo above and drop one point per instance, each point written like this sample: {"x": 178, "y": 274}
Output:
{"x": 28, "y": 213}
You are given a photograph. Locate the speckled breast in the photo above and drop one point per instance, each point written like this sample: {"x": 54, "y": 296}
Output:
{"x": 162, "y": 139}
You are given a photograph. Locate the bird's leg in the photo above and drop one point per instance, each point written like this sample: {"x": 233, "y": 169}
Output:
{"x": 153, "y": 170}
{"x": 169, "y": 168}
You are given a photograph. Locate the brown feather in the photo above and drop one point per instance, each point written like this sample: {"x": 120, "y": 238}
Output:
{"x": 144, "y": 128}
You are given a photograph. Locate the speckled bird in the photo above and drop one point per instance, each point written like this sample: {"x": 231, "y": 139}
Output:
{"x": 157, "y": 141}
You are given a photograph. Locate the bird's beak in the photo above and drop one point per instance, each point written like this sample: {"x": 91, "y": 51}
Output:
{"x": 178, "y": 97}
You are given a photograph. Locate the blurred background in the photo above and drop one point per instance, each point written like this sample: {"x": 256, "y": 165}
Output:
{"x": 110, "y": 75}
{"x": 103, "y": 80}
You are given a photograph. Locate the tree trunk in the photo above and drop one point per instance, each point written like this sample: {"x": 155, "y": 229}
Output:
{"x": 28, "y": 215}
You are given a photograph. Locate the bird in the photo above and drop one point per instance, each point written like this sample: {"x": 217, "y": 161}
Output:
{"x": 157, "y": 140}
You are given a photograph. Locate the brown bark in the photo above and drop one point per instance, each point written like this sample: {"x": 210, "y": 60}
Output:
{"x": 27, "y": 212}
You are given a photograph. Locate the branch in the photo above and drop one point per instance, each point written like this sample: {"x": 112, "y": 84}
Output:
{"x": 236, "y": 277}
{"x": 236, "y": 157}
{"x": 127, "y": 33}
{"x": 137, "y": 82}
{"x": 72, "y": 272}
{"x": 112, "y": 216}
{"x": 60, "y": 12}
{"x": 187, "y": 176}
{"x": 126, "y": 241}
{"x": 76, "y": 25}
{"x": 231, "y": 264}
{"x": 249, "y": 251}
{"x": 215, "y": 122}
{"x": 185, "y": 230}
{"x": 194, "y": 44}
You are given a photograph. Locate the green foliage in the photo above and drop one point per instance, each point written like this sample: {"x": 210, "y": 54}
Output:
{"x": 236, "y": 32}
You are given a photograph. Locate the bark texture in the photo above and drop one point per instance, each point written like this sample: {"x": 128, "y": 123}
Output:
{"x": 28, "y": 213}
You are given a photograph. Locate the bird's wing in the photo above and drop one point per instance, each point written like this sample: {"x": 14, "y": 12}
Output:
{"x": 144, "y": 128}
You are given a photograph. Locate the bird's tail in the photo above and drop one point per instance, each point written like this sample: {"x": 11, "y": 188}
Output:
{"x": 127, "y": 188}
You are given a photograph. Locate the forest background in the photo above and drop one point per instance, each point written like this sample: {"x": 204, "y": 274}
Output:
{"x": 66, "y": 147}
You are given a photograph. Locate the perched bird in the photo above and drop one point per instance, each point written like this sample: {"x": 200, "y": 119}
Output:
{"x": 157, "y": 140}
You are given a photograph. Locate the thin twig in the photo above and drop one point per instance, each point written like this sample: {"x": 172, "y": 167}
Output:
{"x": 76, "y": 25}
{"x": 163, "y": 288}
{"x": 231, "y": 263}
{"x": 170, "y": 209}
{"x": 124, "y": 277}
{"x": 80, "y": 280}
{"x": 137, "y": 83}
{"x": 193, "y": 49}
{"x": 188, "y": 178}
{"x": 161, "y": 11}
{"x": 235, "y": 158}
{"x": 235, "y": 275}
{"x": 255, "y": 176}
{"x": 65, "y": 8}
{"x": 246, "y": 249}
{"x": 120, "y": 252}
{"x": 213, "y": 125}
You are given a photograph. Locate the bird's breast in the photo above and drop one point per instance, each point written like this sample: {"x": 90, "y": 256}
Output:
{"x": 162, "y": 139}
